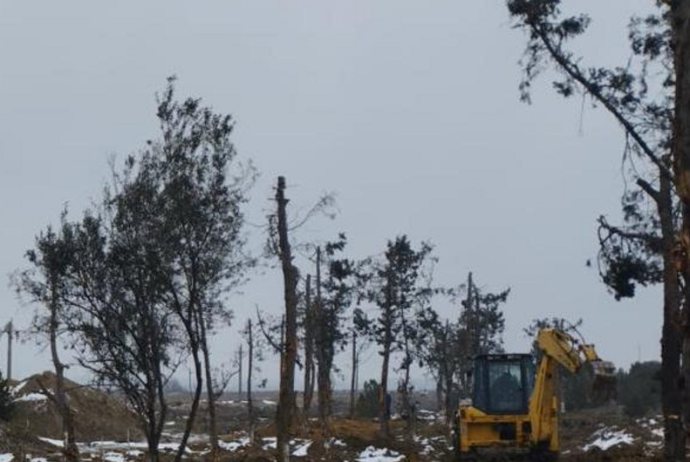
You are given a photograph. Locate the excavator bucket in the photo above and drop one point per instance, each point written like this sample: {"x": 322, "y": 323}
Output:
{"x": 605, "y": 384}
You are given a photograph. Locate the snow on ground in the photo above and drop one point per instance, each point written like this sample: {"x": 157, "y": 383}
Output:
{"x": 57, "y": 443}
{"x": 372, "y": 454}
{"x": 234, "y": 445}
{"x": 19, "y": 387}
{"x": 301, "y": 450}
{"x": 269, "y": 443}
{"x": 336, "y": 442}
{"x": 134, "y": 448}
{"x": 427, "y": 444}
{"x": 654, "y": 426}
{"x": 424, "y": 414}
{"x": 114, "y": 457}
{"x": 6, "y": 457}
{"x": 608, "y": 437}
{"x": 32, "y": 397}
{"x": 268, "y": 402}
{"x": 111, "y": 451}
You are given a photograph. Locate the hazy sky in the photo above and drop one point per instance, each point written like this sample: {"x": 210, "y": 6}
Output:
{"x": 407, "y": 110}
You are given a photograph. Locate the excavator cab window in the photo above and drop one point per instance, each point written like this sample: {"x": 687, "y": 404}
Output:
{"x": 503, "y": 383}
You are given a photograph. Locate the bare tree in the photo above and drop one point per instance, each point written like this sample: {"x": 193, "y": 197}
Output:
{"x": 249, "y": 336}
{"x": 309, "y": 328}
{"x": 286, "y": 403}
{"x": 357, "y": 347}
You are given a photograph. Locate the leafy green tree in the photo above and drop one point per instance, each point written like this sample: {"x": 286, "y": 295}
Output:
{"x": 640, "y": 389}
{"x": 449, "y": 347}
{"x": 149, "y": 267}
{"x": 45, "y": 283}
{"x": 480, "y": 327}
{"x": 334, "y": 296}
{"x": 481, "y": 320}
{"x": 368, "y": 400}
{"x": 399, "y": 286}
{"x": 201, "y": 201}
{"x": 442, "y": 355}
{"x": 7, "y": 405}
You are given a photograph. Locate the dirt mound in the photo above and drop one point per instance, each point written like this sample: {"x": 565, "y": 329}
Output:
{"x": 98, "y": 415}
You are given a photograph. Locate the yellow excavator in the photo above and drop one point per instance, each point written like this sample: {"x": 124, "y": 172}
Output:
{"x": 514, "y": 408}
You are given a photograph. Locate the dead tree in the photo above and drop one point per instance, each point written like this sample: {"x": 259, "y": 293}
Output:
{"x": 250, "y": 366}
{"x": 286, "y": 402}
{"x": 309, "y": 366}
{"x": 353, "y": 379}
{"x": 324, "y": 373}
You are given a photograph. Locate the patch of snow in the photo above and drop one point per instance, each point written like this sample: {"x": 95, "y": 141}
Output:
{"x": 58, "y": 443}
{"x": 234, "y": 445}
{"x": 270, "y": 443}
{"x": 372, "y": 454}
{"x": 427, "y": 448}
{"x": 653, "y": 425}
{"x": 424, "y": 414}
{"x": 6, "y": 457}
{"x": 337, "y": 442}
{"x": 19, "y": 387}
{"x": 268, "y": 402}
{"x": 32, "y": 397}
{"x": 607, "y": 438}
{"x": 113, "y": 457}
{"x": 301, "y": 450}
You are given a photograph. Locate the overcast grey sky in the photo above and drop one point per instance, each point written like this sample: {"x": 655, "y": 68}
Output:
{"x": 407, "y": 110}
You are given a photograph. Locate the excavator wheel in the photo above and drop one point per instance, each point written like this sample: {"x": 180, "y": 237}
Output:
{"x": 465, "y": 457}
{"x": 543, "y": 456}
{"x": 541, "y": 453}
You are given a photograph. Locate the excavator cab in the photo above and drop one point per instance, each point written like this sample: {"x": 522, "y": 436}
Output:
{"x": 514, "y": 406}
{"x": 503, "y": 383}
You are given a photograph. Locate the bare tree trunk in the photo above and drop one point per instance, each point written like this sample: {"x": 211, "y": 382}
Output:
{"x": 388, "y": 318}
{"x": 407, "y": 401}
{"x": 250, "y": 366}
{"x": 384, "y": 401}
{"x": 241, "y": 361}
{"x": 680, "y": 26}
{"x": 324, "y": 370}
{"x": 71, "y": 451}
{"x": 405, "y": 389}
{"x": 210, "y": 394}
{"x": 672, "y": 341}
{"x": 353, "y": 379}
{"x": 192, "y": 332}
{"x": 286, "y": 403}
{"x": 10, "y": 335}
{"x": 448, "y": 372}
{"x": 309, "y": 327}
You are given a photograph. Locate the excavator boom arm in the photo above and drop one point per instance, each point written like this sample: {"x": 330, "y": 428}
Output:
{"x": 559, "y": 347}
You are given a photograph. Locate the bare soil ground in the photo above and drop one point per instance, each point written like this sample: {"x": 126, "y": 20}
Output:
{"x": 103, "y": 417}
